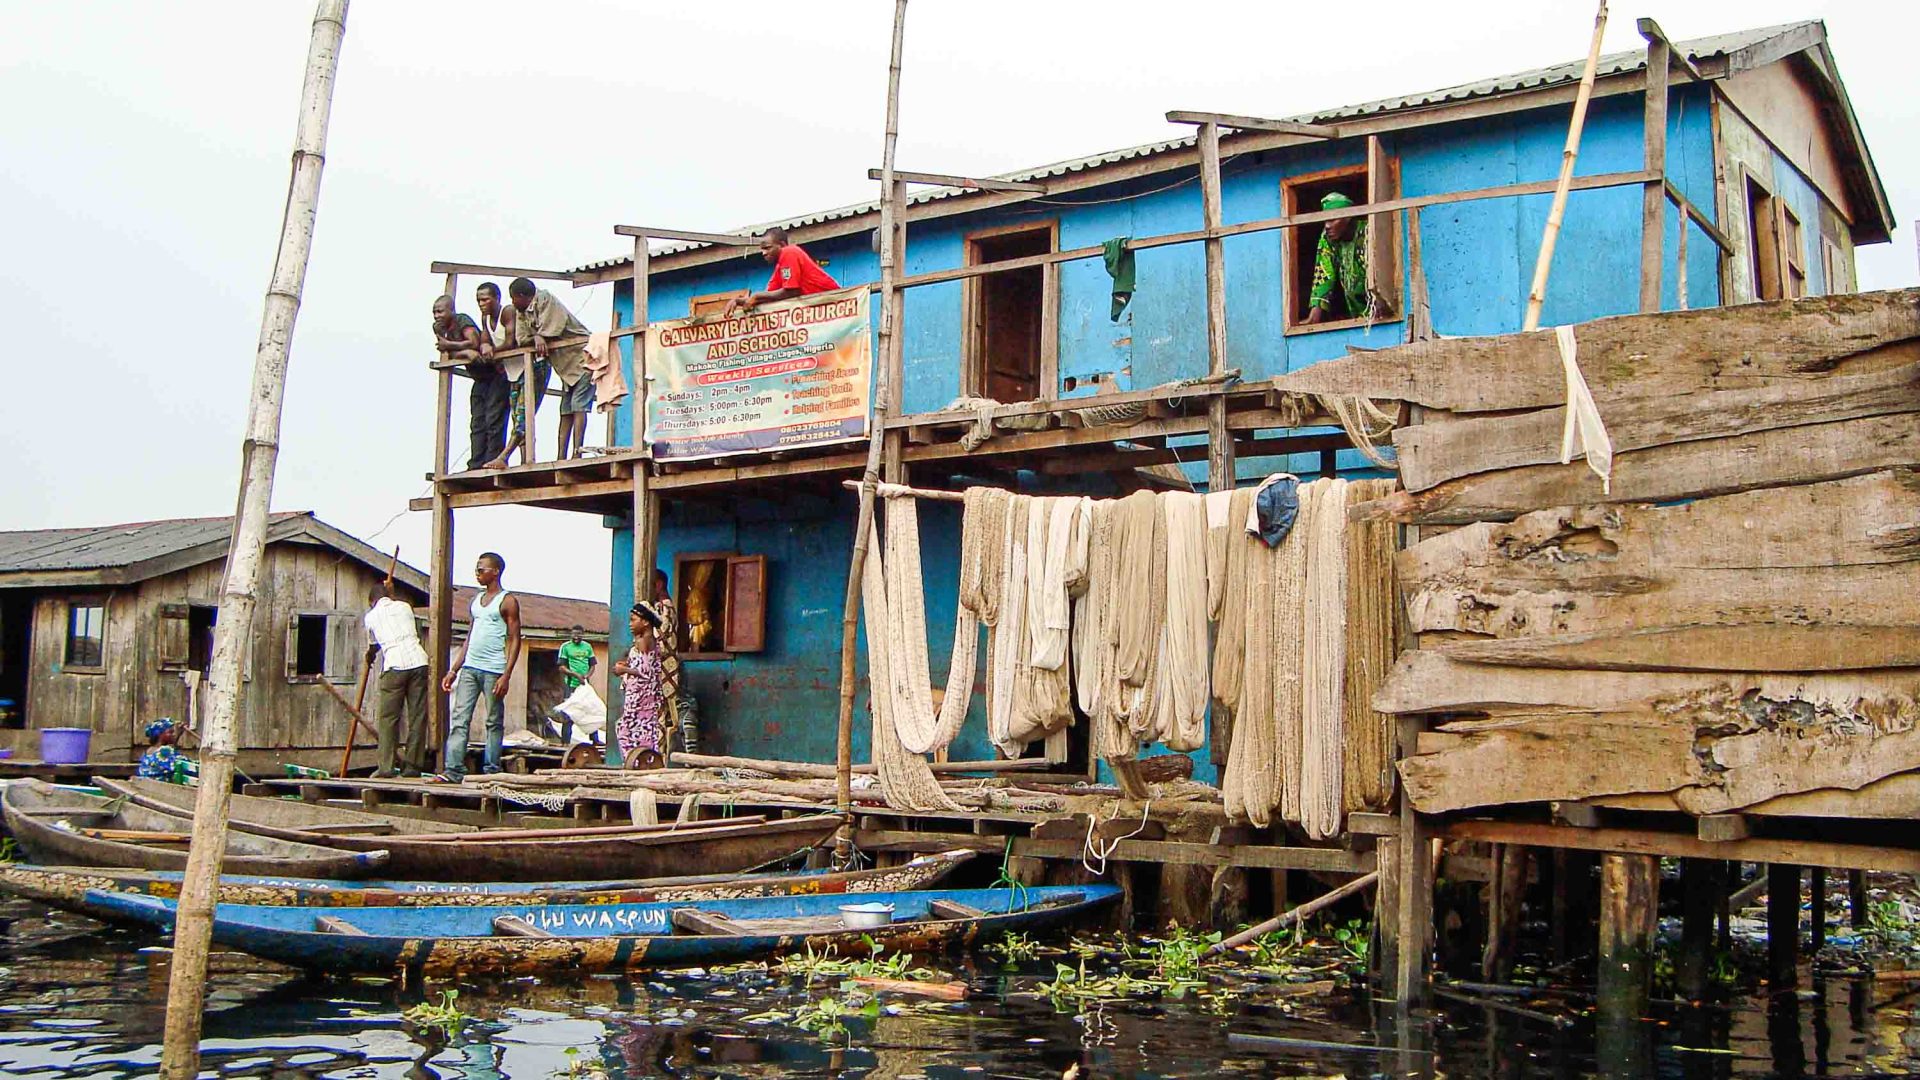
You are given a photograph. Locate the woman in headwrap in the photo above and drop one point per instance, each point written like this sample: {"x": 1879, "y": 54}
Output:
{"x": 639, "y": 727}
{"x": 162, "y": 761}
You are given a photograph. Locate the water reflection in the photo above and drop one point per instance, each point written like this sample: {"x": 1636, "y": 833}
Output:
{"x": 81, "y": 1000}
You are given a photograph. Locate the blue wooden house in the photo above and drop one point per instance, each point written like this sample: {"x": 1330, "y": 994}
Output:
{"x": 1741, "y": 176}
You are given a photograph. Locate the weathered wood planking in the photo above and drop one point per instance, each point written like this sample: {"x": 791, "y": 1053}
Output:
{"x": 1894, "y": 798}
{"x": 1802, "y": 455}
{"x": 1424, "y": 681}
{"x": 1704, "y": 648}
{"x": 1433, "y": 453}
{"x": 1549, "y": 757}
{"x": 1670, "y": 354}
{"x": 1801, "y": 562}
{"x": 1720, "y": 748}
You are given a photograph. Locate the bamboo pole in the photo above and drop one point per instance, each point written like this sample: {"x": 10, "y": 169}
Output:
{"x": 1537, "y": 295}
{"x": 1311, "y": 907}
{"x": 876, "y": 410}
{"x": 180, "y": 1056}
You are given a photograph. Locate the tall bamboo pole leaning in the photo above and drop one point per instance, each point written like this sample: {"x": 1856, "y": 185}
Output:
{"x": 180, "y": 1057}
{"x": 876, "y": 412}
{"x": 1537, "y": 295}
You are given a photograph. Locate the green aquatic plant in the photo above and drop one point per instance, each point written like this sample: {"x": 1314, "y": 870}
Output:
{"x": 1014, "y": 947}
{"x": 1273, "y": 951}
{"x": 876, "y": 965}
{"x": 1176, "y": 957}
{"x": 827, "y": 1017}
{"x": 1356, "y": 941}
{"x": 445, "y": 1016}
{"x": 9, "y": 850}
{"x": 579, "y": 1068}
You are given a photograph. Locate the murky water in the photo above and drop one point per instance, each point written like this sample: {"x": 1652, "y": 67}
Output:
{"x": 81, "y": 1000}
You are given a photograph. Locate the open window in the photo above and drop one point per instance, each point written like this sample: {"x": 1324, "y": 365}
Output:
{"x": 1005, "y": 349}
{"x": 1376, "y": 238}
{"x": 722, "y": 601}
{"x": 184, "y": 640}
{"x": 86, "y": 634}
{"x": 321, "y": 646}
{"x": 1793, "y": 247}
{"x": 1763, "y": 247}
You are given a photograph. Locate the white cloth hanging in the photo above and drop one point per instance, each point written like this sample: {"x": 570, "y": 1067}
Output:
{"x": 1584, "y": 432}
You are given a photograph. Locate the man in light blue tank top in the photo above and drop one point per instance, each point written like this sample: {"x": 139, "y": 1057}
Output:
{"x": 481, "y": 670}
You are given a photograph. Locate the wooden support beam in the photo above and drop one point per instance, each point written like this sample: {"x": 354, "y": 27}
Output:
{"x": 945, "y": 180}
{"x": 451, "y": 268}
{"x": 1783, "y": 926}
{"x": 1857, "y": 899}
{"x": 1629, "y": 912}
{"x": 1650, "y": 32}
{"x": 1686, "y": 845}
{"x": 1817, "y": 908}
{"x": 1504, "y": 895}
{"x": 643, "y": 232}
{"x": 1415, "y": 890}
{"x": 1253, "y": 123}
{"x": 1702, "y": 884}
{"x": 1220, "y": 467}
{"x": 1716, "y": 828}
{"x": 1721, "y": 239}
{"x": 1653, "y": 203}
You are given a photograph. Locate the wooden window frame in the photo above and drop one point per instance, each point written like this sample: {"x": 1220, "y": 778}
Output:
{"x": 1381, "y": 171}
{"x": 339, "y": 631}
{"x": 731, "y": 646}
{"x": 1833, "y": 267}
{"x": 1775, "y": 265}
{"x": 1793, "y": 242}
{"x": 80, "y": 601}
{"x": 172, "y": 642}
{"x": 972, "y": 375}
{"x": 694, "y": 303}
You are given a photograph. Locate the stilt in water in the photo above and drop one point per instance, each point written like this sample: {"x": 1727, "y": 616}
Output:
{"x": 1817, "y": 908}
{"x": 1857, "y": 897}
{"x": 1783, "y": 925}
{"x": 1629, "y": 899}
{"x": 1701, "y": 890}
{"x": 1505, "y": 891}
{"x": 1629, "y": 909}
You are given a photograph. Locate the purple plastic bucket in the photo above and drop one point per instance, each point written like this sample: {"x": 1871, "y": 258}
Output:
{"x": 64, "y": 745}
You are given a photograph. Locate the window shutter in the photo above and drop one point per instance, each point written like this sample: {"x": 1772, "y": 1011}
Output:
{"x": 746, "y": 626}
{"x": 293, "y": 647}
{"x": 341, "y": 640}
{"x": 1383, "y": 230}
{"x": 171, "y": 637}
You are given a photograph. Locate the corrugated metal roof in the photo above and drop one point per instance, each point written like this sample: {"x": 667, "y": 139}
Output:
{"x": 1611, "y": 64}
{"x": 108, "y": 546}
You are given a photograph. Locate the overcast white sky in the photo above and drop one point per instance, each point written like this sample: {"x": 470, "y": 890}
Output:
{"x": 145, "y": 155}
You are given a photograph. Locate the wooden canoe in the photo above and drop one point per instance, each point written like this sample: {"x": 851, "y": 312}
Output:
{"x": 624, "y": 851}
{"x": 62, "y": 826}
{"x": 66, "y": 887}
{"x": 532, "y": 938}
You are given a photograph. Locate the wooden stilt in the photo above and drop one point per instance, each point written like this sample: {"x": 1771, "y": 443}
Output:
{"x": 1701, "y": 888}
{"x": 1504, "y": 892}
{"x": 1557, "y": 912}
{"x": 1857, "y": 901}
{"x": 1415, "y": 916}
{"x": 440, "y": 568}
{"x": 1653, "y": 209}
{"x": 883, "y": 391}
{"x": 186, "y": 988}
{"x": 1817, "y": 908}
{"x": 1385, "y": 954}
{"x": 1220, "y": 466}
{"x": 1783, "y": 925}
{"x": 1629, "y": 898}
{"x": 1537, "y": 295}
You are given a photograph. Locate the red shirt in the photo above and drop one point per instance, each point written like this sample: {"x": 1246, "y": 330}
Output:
{"x": 795, "y": 269}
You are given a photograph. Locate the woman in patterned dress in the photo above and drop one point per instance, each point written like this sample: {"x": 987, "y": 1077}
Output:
{"x": 642, "y": 677}
{"x": 162, "y": 761}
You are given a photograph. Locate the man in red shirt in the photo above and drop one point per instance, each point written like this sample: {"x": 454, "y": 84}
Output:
{"x": 794, "y": 273}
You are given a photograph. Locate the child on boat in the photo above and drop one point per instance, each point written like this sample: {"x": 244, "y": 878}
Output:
{"x": 642, "y": 677}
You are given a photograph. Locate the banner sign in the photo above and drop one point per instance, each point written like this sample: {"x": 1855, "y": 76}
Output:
{"x": 795, "y": 373}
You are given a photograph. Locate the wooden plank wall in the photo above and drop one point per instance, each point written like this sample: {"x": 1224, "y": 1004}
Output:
{"x": 1752, "y": 636}
{"x": 133, "y": 690}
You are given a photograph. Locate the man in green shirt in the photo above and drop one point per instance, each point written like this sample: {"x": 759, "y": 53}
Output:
{"x": 576, "y": 658}
{"x": 1339, "y": 266}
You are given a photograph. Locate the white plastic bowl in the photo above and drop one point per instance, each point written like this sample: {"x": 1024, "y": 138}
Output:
{"x": 866, "y": 916}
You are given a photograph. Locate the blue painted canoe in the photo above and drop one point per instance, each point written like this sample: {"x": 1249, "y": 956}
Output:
{"x": 531, "y": 938}
{"x": 67, "y": 886}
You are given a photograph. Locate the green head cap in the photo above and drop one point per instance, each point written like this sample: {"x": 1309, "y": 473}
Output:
{"x": 1334, "y": 200}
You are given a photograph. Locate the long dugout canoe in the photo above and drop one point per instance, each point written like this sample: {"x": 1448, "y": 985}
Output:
{"x": 66, "y": 887}
{"x": 626, "y": 851}
{"x": 531, "y": 938}
{"x": 58, "y": 825}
